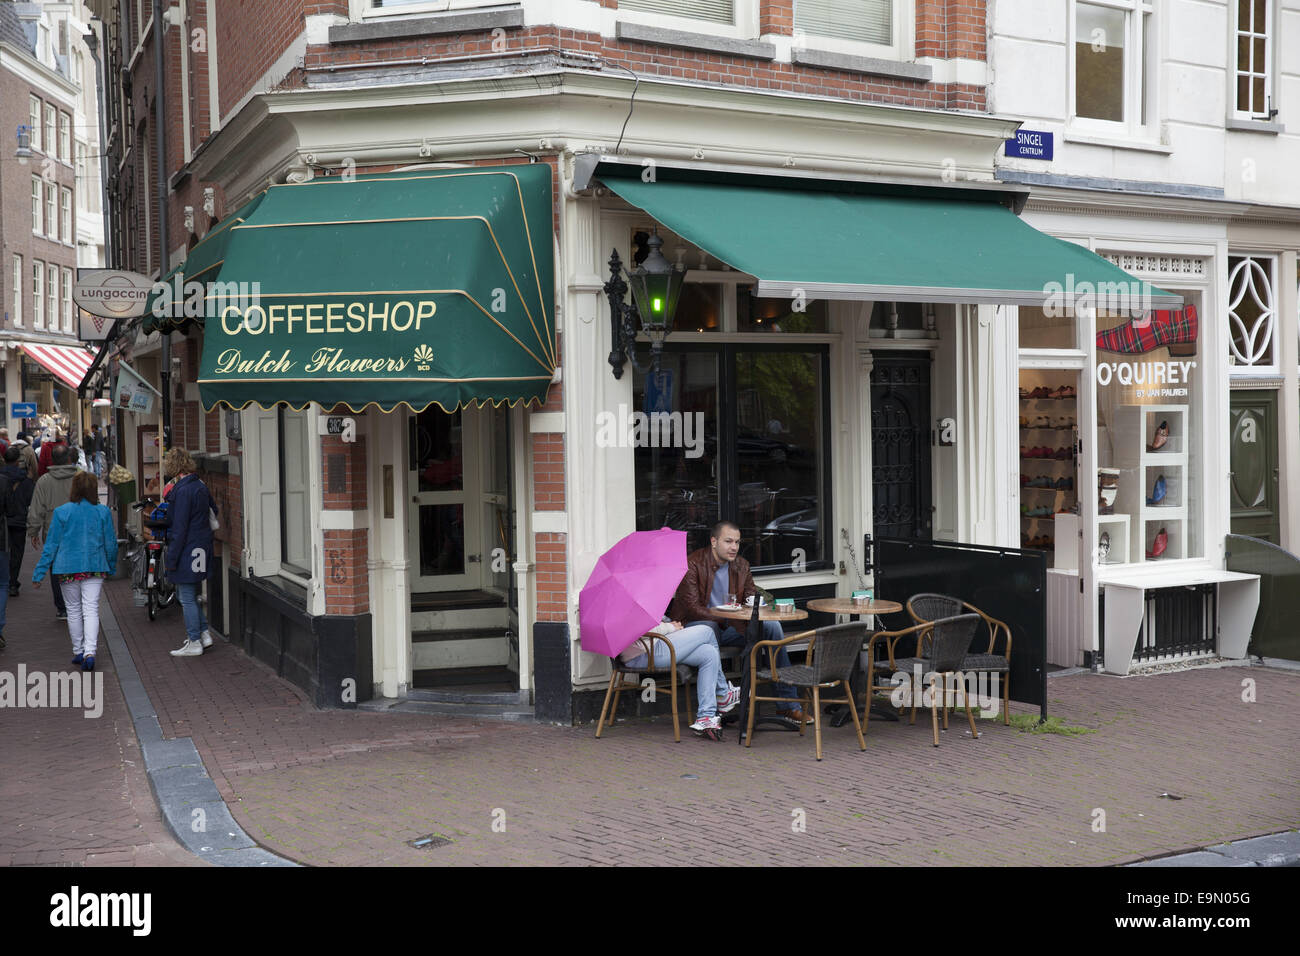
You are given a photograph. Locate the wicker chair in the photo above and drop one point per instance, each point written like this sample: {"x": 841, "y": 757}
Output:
{"x": 933, "y": 607}
{"x": 627, "y": 678}
{"x": 949, "y": 638}
{"x": 832, "y": 655}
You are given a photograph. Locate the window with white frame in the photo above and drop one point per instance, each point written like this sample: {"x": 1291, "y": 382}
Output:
{"x": 65, "y": 137}
{"x": 52, "y": 296}
{"x": 295, "y": 491}
{"x": 1254, "y": 59}
{"x": 16, "y": 312}
{"x": 371, "y": 8}
{"x": 38, "y": 215}
{"x": 38, "y": 295}
{"x": 1252, "y": 314}
{"x": 51, "y": 211}
{"x": 717, "y": 11}
{"x": 1114, "y": 65}
{"x": 65, "y": 216}
{"x": 877, "y": 22}
{"x": 51, "y": 129}
{"x": 34, "y": 123}
{"x": 67, "y": 300}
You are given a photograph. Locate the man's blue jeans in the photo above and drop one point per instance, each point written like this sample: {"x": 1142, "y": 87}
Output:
{"x": 196, "y": 622}
{"x": 730, "y": 637}
{"x": 4, "y": 601}
{"x": 696, "y": 647}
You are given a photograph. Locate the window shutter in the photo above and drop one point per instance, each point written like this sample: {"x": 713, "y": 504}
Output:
{"x": 719, "y": 11}
{"x": 263, "y": 525}
{"x": 871, "y": 21}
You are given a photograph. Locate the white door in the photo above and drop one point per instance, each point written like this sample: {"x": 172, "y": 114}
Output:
{"x": 444, "y": 480}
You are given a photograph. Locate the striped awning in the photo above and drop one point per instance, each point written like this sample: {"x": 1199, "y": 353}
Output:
{"x": 68, "y": 363}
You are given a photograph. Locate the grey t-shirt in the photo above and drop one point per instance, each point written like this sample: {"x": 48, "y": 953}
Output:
{"x": 721, "y": 586}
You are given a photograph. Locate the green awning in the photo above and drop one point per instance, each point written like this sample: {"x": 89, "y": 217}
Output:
{"x": 841, "y": 245}
{"x": 202, "y": 265}
{"x": 417, "y": 288}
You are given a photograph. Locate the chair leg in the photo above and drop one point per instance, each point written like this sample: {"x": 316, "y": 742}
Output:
{"x": 804, "y": 704}
{"x": 817, "y": 719}
{"x": 934, "y": 710}
{"x": 853, "y": 712}
{"x": 1006, "y": 700}
{"x": 677, "y": 730}
{"x": 689, "y": 704}
{"x": 604, "y": 710}
{"x": 749, "y": 729}
{"x": 965, "y": 693}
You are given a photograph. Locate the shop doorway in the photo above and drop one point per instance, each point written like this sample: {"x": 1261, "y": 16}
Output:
{"x": 460, "y": 541}
{"x": 902, "y": 502}
{"x": 1253, "y": 481}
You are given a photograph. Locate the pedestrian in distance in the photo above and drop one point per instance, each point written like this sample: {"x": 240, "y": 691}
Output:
{"x": 80, "y": 552}
{"x": 189, "y": 519}
{"x": 28, "y": 454}
{"x": 52, "y": 490}
{"x": 19, "y": 486}
{"x": 58, "y": 439}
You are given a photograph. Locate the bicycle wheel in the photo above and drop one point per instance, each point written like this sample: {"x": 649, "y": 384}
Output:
{"x": 151, "y": 602}
{"x": 166, "y": 593}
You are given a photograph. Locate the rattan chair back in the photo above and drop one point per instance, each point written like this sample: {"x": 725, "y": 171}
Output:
{"x": 836, "y": 649}
{"x": 933, "y": 607}
{"x": 951, "y": 640}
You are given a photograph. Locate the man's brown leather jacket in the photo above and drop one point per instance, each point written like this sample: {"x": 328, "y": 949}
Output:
{"x": 691, "y": 602}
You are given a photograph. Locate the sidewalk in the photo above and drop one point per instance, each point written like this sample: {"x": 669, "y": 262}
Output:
{"x": 73, "y": 790}
{"x": 353, "y": 787}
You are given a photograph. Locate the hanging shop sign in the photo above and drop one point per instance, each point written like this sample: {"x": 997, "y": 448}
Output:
{"x": 133, "y": 393}
{"x": 111, "y": 293}
{"x": 94, "y": 328}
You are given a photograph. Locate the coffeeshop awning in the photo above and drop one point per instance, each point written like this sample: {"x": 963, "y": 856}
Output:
{"x": 420, "y": 287}
{"x": 866, "y": 242}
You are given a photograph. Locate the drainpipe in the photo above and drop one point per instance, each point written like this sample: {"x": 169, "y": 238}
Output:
{"x": 160, "y": 144}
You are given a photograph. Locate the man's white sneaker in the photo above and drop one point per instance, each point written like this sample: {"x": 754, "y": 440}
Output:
{"x": 727, "y": 704}
{"x": 189, "y": 649}
{"x": 206, "y": 639}
{"x": 704, "y": 724}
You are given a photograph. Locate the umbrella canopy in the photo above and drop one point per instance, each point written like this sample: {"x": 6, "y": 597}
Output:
{"x": 631, "y": 585}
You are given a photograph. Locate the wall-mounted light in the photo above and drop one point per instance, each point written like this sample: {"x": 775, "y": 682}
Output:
{"x": 24, "y": 151}
{"x": 656, "y": 285}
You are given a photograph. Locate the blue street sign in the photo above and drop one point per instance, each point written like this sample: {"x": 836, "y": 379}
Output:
{"x": 1030, "y": 144}
{"x": 22, "y": 410}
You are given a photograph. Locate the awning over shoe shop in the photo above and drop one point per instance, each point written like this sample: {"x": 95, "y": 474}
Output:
{"x": 841, "y": 244}
{"x": 202, "y": 265}
{"x": 67, "y": 363}
{"x": 420, "y": 287}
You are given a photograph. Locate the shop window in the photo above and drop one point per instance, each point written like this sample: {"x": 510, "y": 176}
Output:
{"x": 1114, "y": 60}
{"x": 699, "y": 309}
{"x": 1253, "y": 73}
{"x": 737, "y": 432}
{"x": 1252, "y": 313}
{"x": 1038, "y": 330}
{"x": 1150, "y": 394}
{"x": 295, "y": 491}
{"x": 754, "y": 314}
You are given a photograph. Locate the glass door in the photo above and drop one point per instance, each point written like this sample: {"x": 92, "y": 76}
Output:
{"x": 444, "y": 478}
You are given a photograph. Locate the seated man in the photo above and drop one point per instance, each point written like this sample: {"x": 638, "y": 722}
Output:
{"x": 712, "y": 575}
{"x": 696, "y": 647}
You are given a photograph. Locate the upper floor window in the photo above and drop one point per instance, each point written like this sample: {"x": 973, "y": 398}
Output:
{"x": 866, "y": 21}
{"x": 34, "y": 122}
{"x": 16, "y": 313}
{"x": 1254, "y": 88}
{"x": 38, "y": 208}
{"x": 51, "y": 144}
{"x": 65, "y": 137}
{"x": 65, "y": 216}
{"x": 51, "y": 211}
{"x": 718, "y": 11}
{"x": 1114, "y": 64}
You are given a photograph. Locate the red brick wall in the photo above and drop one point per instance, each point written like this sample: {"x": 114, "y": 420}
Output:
{"x": 775, "y": 17}
{"x": 952, "y": 28}
{"x": 347, "y": 579}
{"x": 251, "y": 36}
{"x": 353, "y": 497}
{"x": 552, "y": 593}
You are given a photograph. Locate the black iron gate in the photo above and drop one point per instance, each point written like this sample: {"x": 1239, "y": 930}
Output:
{"x": 900, "y": 446}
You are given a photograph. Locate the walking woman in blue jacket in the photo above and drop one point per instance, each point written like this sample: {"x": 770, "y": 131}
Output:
{"x": 81, "y": 548}
{"x": 189, "y": 546}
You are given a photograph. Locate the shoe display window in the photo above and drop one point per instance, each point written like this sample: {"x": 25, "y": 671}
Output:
{"x": 1149, "y": 397}
{"x": 1049, "y": 441}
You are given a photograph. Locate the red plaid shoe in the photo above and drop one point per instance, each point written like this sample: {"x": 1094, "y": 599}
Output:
{"x": 1175, "y": 328}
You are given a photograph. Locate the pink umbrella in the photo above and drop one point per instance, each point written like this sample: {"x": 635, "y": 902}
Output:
{"x": 631, "y": 585}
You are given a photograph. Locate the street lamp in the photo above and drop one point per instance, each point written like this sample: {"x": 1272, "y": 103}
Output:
{"x": 24, "y": 151}
{"x": 656, "y": 285}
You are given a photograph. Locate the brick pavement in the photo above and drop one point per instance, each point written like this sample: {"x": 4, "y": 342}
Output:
{"x": 73, "y": 790}
{"x": 351, "y": 787}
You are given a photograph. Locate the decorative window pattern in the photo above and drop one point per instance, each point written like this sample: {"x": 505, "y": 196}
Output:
{"x": 1254, "y": 86}
{"x": 1164, "y": 265}
{"x": 1252, "y": 311}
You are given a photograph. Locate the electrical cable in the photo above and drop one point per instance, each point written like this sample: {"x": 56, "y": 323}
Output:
{"x": 631, "y": 102}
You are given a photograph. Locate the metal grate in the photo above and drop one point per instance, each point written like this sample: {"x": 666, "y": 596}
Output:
{"x": 430, "y": 841}
{"x": 1178, "y": 621}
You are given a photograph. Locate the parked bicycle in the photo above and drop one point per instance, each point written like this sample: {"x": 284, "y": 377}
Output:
{"x": 148, "y": 572}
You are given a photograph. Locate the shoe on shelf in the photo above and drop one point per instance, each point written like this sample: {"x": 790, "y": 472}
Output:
{"x": 1103, "y": 546}
{"x": 1158, "y": 491}
{"x": 189, "y": 649}
{"x": 1024, "y": 422}
{"x": 206, "y": 639}
{"x": 88, "y": 662}
{"x": 1161, "y": 437}
{"x": 1159, "y": 545}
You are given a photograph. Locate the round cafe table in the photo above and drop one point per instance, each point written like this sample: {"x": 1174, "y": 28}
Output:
{"x": 846, "y": 606}
{"x": 765, "y": 613}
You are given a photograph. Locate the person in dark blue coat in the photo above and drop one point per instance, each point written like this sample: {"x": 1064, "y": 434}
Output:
{"x": 189, "y": 546}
